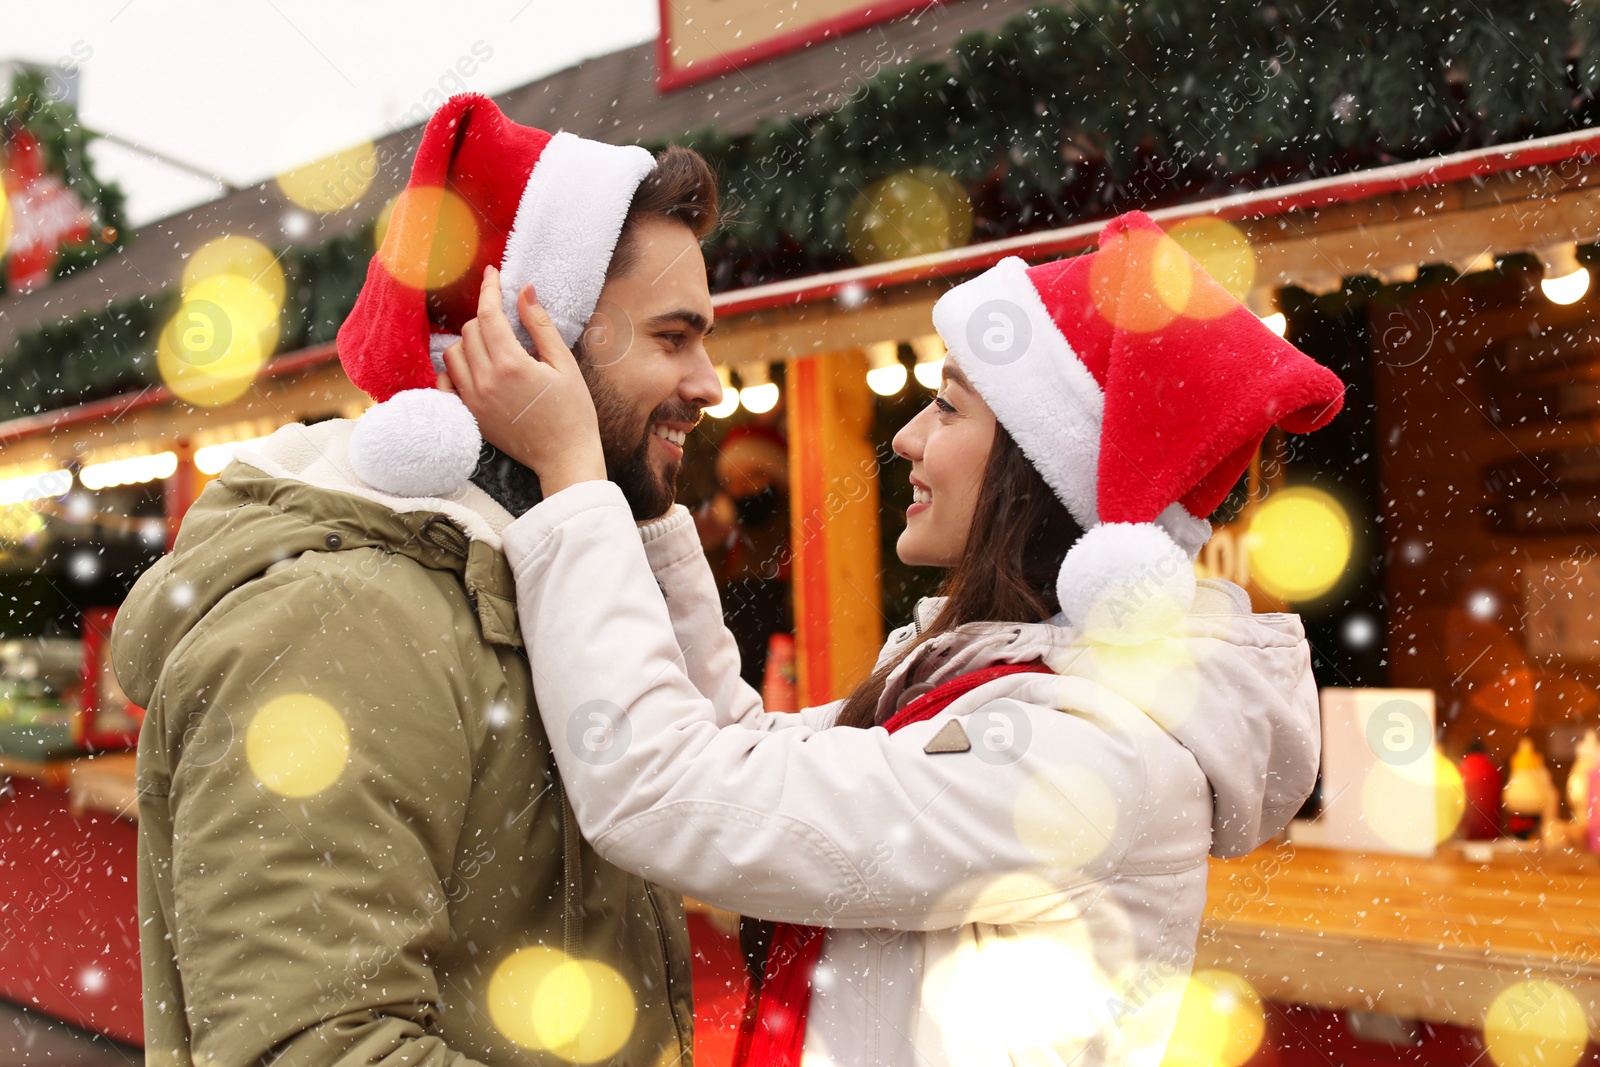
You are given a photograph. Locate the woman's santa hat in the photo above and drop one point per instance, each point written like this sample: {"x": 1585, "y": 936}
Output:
{"x": 1140, "y": 389}
{"x": 545, "y": 209}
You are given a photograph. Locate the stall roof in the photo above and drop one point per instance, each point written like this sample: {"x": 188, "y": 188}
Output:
{"x": 1446, "y": 209}
{"x": 610, "y": 98}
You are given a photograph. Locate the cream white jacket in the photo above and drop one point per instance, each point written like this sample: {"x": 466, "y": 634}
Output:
{"x": 1031, "y": 899}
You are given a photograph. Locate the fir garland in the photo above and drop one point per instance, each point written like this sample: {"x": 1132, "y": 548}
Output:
{"x": 65, "y": 142}
{"x": 1065, "y": 115}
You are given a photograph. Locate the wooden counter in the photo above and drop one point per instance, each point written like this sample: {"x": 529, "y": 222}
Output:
{"x": 102, "y": 782}
{"x": 1434, "y": 940}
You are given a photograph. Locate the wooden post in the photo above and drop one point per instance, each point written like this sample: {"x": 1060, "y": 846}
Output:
{"x": 834, "y": 524}
{"x": 181, "y": 489}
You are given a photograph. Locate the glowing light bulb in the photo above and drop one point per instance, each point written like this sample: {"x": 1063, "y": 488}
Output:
{"x": 1276, "y": 322}
{"x": 1568, "y": 289}
{"x": 730, "y": 397}
{"x": 930, "y": 352}
{"x": 886, "y": 375}
{"x": 760, "y": 393}
{"x": 759, "y": 399}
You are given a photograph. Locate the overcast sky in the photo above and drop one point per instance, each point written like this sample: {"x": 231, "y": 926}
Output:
{"x": 243, "y": 88}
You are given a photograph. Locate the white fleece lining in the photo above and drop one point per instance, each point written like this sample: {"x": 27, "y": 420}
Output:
{"x": 437, "y": 343}
{"x": 566, "y": 228}
{"x": 1046, "y": 399}
{"x": 317, "y": 455}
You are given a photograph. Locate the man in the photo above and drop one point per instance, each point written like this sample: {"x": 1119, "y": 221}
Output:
{"x": 354, "y": 846}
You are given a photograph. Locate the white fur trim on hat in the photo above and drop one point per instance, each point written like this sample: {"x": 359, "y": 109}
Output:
{"x": 999, "y": 333}
{"x": 567, "y": 226}
{"x": 419, "y": 442}
{"x": 1126, "y": 582}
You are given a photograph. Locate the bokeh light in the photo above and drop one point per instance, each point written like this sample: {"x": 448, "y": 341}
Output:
{"x": 297, "y": 745}
{"x": 1536, "y": 1023}
{"x": 1222, "y": 250}
{"x": 911, "y": 213}
{"x": 1406, "y": 804}
{"x": 1041, "y": 993}
{"x": 1300, "y": 542}
{"x": 1158, "y": 676}
{"x": 1220, "y": 1022}
{"x": 235, "y": 256}
{"x": 427, "y": 237}
{"x": 1066, "y": 816}
{"x": 542, "y": 999}
{"x": 1142, "y": 280}
{"x": 322, "y": 163}
{"x": 226, "y": 327}
{"x": 5, "y": 217}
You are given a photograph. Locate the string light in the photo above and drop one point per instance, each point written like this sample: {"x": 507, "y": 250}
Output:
{"x": 886, "y": 375}
{"x": 131, "y": 471}
{"x": 760, "y": 393}
{"x": 730, "y": 397}
{"x": 930, "y": 352}
{"x": 1263, "y": 303}
{"x": 212, "y": 458}
{"x": 1565, "y": 279}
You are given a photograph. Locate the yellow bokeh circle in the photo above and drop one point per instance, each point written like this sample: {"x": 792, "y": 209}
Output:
{"x": 1139, "y": 281}
{"x": 1222, "y": 251}
{"x": 1411, "y": 803}
{"x": 5, "y": 217}
{"x": 235, "y": 256}
{"x": 911, "y": 213}
{"x": 297, "y": 745}
{"x": 223, "y": 332}
{"x": 1300, "y": 542}
{"x": 333, "y": 182}
{"x": 1067, "y": 817}
{"x": 427, "y": 237}
{"x": 1536, "y": 1023}
{"x": 1220, "y": 1022}
{"x": 580, "y": 1010}
{"x": 1038, "y": 993}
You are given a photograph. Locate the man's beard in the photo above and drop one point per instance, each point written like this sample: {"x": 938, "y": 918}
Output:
{"x": 626, "y": 447}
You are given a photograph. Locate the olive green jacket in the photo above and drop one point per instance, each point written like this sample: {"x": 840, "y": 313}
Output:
{"x": 354, "y": 846}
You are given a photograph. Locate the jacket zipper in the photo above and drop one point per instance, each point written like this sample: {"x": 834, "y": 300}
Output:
{"x": 666, "y": 963}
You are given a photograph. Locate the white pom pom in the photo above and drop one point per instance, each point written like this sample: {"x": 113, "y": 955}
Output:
{"x": 421, "y": 442}
{"x": 1126, "y": 582}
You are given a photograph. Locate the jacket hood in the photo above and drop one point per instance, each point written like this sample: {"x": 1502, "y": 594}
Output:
{"x": 1235, "y": 689}
{"x": 294, "y": 494}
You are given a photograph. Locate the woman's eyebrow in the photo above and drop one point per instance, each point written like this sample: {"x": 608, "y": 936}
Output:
{"x": 953, "y": 374}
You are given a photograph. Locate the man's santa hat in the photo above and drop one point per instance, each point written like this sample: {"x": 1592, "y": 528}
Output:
{"x": 545, "y": 209}
{"x": 1140, "y": 389}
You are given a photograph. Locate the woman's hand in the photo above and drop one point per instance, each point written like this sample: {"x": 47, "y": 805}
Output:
{"x": 534, "y": 408}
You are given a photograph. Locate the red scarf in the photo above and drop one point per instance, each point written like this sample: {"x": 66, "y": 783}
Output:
{"x": 773, "y": 1032}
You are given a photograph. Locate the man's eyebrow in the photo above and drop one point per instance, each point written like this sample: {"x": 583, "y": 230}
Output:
{"x": 695, "y": 321}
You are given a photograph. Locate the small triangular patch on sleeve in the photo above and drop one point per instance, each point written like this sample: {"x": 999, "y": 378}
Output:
{"x": 950, "y": 739}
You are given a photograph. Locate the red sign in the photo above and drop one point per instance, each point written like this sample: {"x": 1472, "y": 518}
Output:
{"x": 45, "y": 214}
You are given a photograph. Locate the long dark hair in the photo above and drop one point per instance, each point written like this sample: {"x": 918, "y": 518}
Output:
{"x": 1007, "y": 571}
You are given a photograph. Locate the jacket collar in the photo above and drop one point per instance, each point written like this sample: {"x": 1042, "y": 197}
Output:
{"x": 305, "y": 469}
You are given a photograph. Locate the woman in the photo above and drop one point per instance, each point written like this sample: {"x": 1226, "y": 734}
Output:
{"x": 995, "y": 850}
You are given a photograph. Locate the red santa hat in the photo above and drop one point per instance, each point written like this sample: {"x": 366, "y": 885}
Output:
{"x": 545, "y": 209}
{"x": 1140, "y": 389}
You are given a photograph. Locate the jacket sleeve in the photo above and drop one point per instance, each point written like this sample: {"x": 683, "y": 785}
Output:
{"x": 311, "y": 838}
{"x": 710, "y": 655}
{"x": 830, "y": 827}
